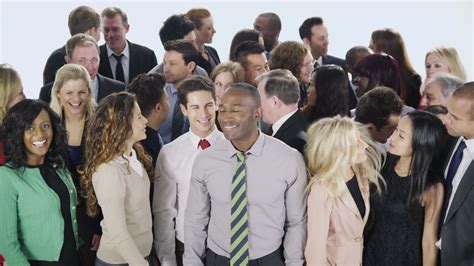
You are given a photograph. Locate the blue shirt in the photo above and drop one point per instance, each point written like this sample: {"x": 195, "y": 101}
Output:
{"x": 165, "y": 129}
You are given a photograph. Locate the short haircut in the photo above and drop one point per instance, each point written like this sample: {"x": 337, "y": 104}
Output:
{"x": 83, "y": 18}
{"x": 377, "y": 105}
{"x": 192, "y": 84}
{"x": 282, "y": 84}
{"x": 249, "y": 89}
{"x": 189, "y": 52}
{"x": 289, "y": 55}
{"x": 448, "y": 82}
{"x": 80, "y": 39}
{"x": 149, "y": 91}
{"x": 466, "y": 92}
{"x": 110, "y": 12}
{"x": 240, "y": 37}
{"x": 232, "y": 67}
{"x": 305, "y": 28}
{"x": 197, "y": 15}
{"x": 247, "y": 48}
{"x": 175, "y": 28}
{"x": 351, "y": 55}
{"x": 274, "y": 19}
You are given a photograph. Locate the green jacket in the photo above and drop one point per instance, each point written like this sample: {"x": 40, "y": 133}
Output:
{"x": 31, "y": 224}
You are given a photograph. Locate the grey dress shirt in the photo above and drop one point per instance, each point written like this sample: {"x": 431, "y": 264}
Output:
{"x": 276, "y": 181}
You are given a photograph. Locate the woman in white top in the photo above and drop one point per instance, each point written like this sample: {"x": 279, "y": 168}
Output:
{"x": 116, "y": 178}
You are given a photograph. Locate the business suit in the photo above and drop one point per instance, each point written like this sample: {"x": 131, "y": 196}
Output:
{"x": 213, "y": 58}
{"x": 55, "y": 61}
{"x": 106, "y": 86}
{"x": 293, "y": 132}
{"x": 335, "y": 227}
{"x": 329, "y": 59}
{"x": 142, "y": 59}
{"x": 457, "y": 233}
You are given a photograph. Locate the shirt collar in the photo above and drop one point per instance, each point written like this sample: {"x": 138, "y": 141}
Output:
{"x": 277, "y": 125}
{"x": 170, "y": 89}
{"x": 469, "y": 145}
{"x": 212, "y": 138}
{"x": 121, "y": 158}
{"x": 125, "y": 52}
{"x": 256, "y": 148}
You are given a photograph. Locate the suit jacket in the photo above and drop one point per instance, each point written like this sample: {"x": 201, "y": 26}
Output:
{"x": 293, "y": 132}
{"x": 457, "y": 233}
{"x": 197, "y": 71}
{"x": 335, "y": 227}
{"x": 106, "y": 86}
{"x": 55, "y": 61}
{"x": 202, "y": 62}
{"x": 142, "y": 59}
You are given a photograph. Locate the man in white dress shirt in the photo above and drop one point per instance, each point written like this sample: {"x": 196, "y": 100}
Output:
{"x": 174, "y": 165}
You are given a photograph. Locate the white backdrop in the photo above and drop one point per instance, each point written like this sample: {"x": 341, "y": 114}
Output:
{"x": 31, "y": 30}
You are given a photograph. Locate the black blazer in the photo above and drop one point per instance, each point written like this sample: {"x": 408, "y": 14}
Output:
{"x": 106, "y": 86}
{"x": 142, "y": 60}
{"x": 293, "y": 132}
{"x": 457, "y": 233}
{"x": 55, "y": 61}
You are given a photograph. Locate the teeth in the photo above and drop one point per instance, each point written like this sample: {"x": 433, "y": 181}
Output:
{"x": 39, "y": 143}
{"x": 230, "y": 127}
{"x": 75, "y": 104}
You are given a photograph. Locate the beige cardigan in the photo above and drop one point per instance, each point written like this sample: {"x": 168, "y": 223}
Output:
{"x": 123, "y": 196}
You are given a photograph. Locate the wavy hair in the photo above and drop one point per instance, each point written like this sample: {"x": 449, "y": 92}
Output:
{"x": 109, "y": 130}
{"x": 10, "y": 85}
{"x": 332, "y": 145}
{"x": 233, "y": 68}
{"x": 64, "y": 74}
{"x": 289, "y": 55}
{"x": 12, "y": 132}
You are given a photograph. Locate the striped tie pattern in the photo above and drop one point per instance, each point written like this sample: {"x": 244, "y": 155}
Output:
{"x": 239, "y": 247}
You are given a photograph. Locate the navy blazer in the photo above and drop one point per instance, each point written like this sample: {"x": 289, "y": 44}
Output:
{"x": 142, "y": 60}
{"x": 106, "y": 86}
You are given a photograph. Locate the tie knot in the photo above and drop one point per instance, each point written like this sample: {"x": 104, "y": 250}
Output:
{"x": 204, "y": 144}
{"x": 240, "y": 156}
{"x": 118, "y": 57}
{"x": 462, "y": 145}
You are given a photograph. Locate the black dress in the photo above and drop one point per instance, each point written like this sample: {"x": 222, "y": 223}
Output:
{"x": 396, "y": 232}
{"x": 68, "y": 255}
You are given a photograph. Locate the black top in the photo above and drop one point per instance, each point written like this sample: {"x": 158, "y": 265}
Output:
{"x": 396, "y": 234}
{"x": 353, "y": 187}
{"x": 68, "y": 256}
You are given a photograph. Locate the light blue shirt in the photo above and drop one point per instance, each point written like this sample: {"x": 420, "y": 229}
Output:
{"x": 165, "y": 129}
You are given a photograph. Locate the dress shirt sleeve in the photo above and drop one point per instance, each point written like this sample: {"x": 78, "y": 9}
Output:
{"x": 164, "y": 210}
{"x": 110, "y": 189}
{"x": 295, "y": 224}
{"x": 9, "y": 244}
{"x": 196, "y": 217}
{"x": 319, "y": 212}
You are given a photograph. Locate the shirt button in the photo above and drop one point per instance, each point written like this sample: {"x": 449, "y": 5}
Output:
{"x": 75, "y": 221}
{"x": 73, "y": 207}
{"x": 358, "y": 239}
{"x": 76, "y": 233}
{"x": 71, "y": 191}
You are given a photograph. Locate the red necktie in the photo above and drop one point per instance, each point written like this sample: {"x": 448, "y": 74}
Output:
{"x": 204, "y": 144}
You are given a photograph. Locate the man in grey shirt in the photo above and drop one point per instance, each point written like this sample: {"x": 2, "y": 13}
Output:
{"x": 274, "y": 199}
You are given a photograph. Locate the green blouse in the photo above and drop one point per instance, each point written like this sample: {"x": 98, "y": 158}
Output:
{"x": 31, "y": 224}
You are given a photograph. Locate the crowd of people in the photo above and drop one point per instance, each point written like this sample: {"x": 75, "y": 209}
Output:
{"x": 282, "y": 155}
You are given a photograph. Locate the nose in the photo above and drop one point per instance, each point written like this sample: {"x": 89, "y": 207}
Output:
{"x": 145, "y": 120}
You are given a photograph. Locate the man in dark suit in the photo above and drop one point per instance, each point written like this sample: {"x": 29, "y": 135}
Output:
{"x": 279, "y": 94}
{"x": 82, "y": 49}
{"x": 82, "y": 19}
{"x": 457, "y": 219}
{"x": 121, "y": 59}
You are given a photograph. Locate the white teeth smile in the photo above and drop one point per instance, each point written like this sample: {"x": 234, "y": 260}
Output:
{"x": 39, "y": 143}
{"x": 230, "y": 127}
{"x": 75, "y": 104}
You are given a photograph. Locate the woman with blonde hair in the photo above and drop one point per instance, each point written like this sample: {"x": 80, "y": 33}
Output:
{"x": 444, "y": 60}
{"x": 342, "y": 161}
{"x": 71, "y": 99}
{"x": 224, "y": 75}
{"x": 116, "y": 177}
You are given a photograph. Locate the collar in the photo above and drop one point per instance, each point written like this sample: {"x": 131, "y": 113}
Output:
{"x": 212, "y": 138}
{"x": 125, "y": 52}
{"x": 121, "y": 158}
{"x": 469, "y": 145}
{"x": 170, "y": 89}
{"x": 277, "y": 125}
{"x": 256, "y": 148}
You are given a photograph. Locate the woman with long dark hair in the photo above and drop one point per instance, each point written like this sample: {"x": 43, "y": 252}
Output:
{"x": 115, "y": 177}
{"x": 406, "y": 214}
{"x": 38, "y": 220}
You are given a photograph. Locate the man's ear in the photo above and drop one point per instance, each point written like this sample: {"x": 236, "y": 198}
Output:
{"x": 371, "y": 128}
{"x": 276, "y": 101}
{"x": 127, "y": 28}
{"x": 258, "y": 112}
{"x": 306, "y": 41}
{"x": 67, "y": 59}
{"x": 191, "y": 66}
{"x": 183, "y": 110}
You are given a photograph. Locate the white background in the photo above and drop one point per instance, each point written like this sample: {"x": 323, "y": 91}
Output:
{"x": 31, "y": 30}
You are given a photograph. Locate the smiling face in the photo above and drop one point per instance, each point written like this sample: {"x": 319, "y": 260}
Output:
{"x": 86, "y": 56}
{"x": 319, "y": 41}
{"x": 238, "y": 116}
{"x": 74, "y": 97}
{"x": 114, "y": 33}
{"x": 307, "y": 68}
{"x": 37, "y": 139}
{"x": 222, "y": 82}
{"x": 434, "y": 64}
{"x": 401, "y": 139}
{"x": 201, "y": 112}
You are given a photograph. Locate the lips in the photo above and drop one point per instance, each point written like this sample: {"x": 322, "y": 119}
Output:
{"x": 39, "y": 144}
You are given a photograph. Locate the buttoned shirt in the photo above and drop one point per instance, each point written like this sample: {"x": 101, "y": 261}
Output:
{"x": 172, "y": 177}
{"x": 125, "y": 62}
{"x": 165, "y": 129}
{"x": 276, "y": 181}
{"x": 95, "y": 89}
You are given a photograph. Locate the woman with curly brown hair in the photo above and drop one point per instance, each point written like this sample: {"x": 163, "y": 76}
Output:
{"x": 297, "y": 58}
{"x": 116, "y": 178}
